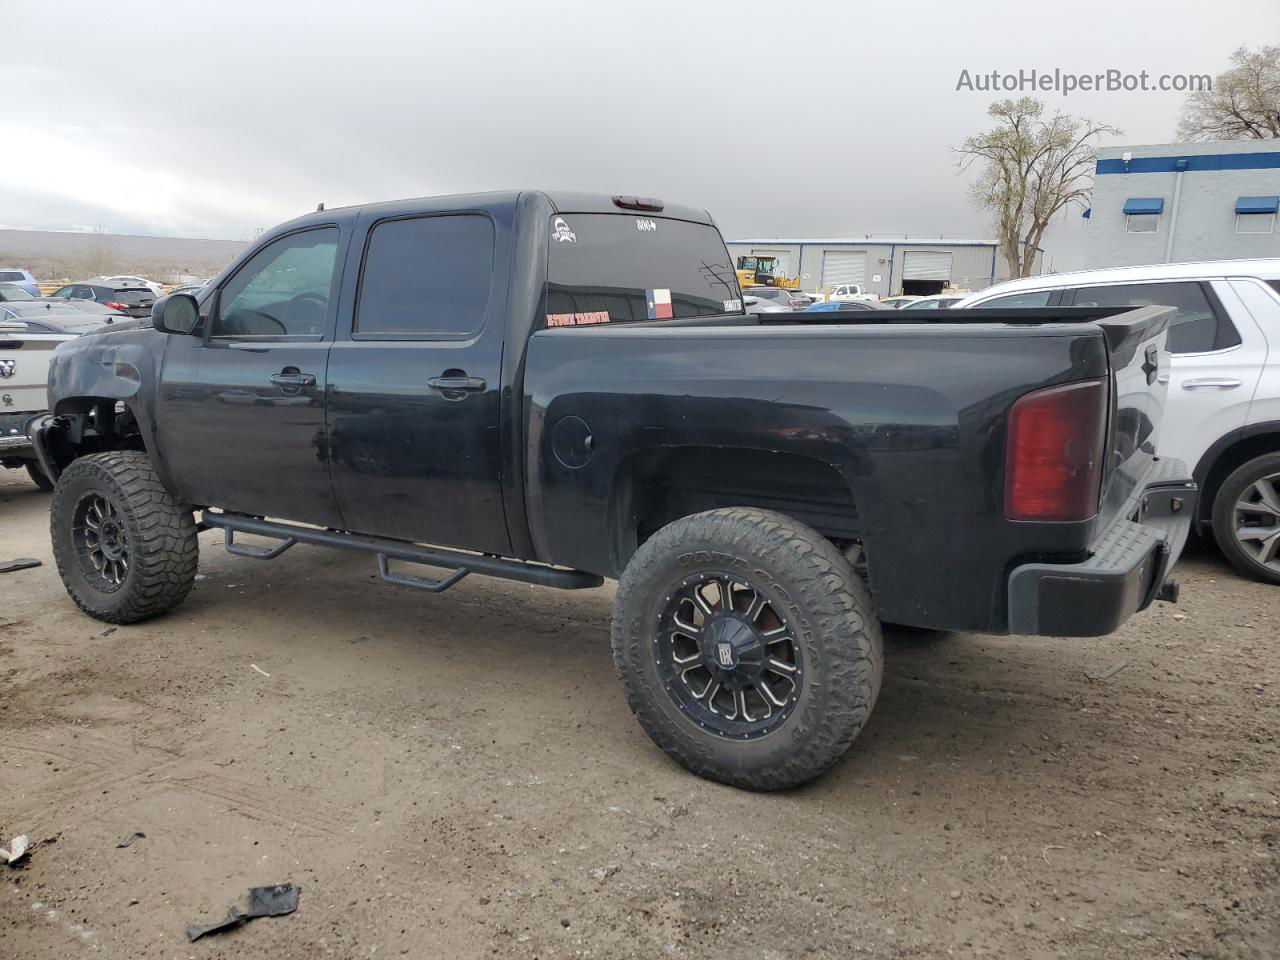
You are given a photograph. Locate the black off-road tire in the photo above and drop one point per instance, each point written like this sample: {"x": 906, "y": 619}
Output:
{"x": 1224, "y": 519}
{"x": 816, "y": 592}
{"x": 158, "y": 533}
{"x": 39, "y": 477}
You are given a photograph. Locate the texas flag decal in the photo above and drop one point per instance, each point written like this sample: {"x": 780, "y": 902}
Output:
{"x": 659, "y": 303}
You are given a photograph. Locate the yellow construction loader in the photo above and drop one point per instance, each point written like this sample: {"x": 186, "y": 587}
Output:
{"x": 762, "y": 271}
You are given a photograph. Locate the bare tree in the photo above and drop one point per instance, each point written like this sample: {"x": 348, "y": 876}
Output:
{"x": 1030, "y": 168}
{"x": 1243, "y": 104}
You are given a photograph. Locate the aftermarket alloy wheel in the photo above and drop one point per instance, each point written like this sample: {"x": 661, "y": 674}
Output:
{"x": 1246, "y": 518}
{"x": 748, "y": 647}
{"x": 126, "y": 550}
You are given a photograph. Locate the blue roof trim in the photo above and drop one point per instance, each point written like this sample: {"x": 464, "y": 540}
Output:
{"x": 1144, "y": 205}
{"x": 1195, "y": 164}
{"x": 1257, "y": 204}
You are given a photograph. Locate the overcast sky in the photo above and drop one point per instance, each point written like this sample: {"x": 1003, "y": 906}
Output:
{"x": 215, "y": 119}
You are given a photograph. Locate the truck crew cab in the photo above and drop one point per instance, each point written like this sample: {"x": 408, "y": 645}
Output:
{"x": 559, "y": 388}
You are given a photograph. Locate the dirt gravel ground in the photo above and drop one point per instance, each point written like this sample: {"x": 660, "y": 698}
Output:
{"x": 458, "y": 776}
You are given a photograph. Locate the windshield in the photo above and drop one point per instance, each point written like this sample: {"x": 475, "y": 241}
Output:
{"x": 616, "y": 268}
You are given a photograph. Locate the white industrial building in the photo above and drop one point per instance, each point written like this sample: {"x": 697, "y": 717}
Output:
{"x": 885, "y": 266}
{"x": 1180, "y": 202}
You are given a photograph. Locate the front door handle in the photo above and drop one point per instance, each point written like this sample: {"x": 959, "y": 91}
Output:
{"x": 457, "y": 384}
{"x": 292, "y": 377}
{"x": 1210, "y": 383}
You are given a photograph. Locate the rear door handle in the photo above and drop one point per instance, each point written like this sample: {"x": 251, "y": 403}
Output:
{"x": 287, "y": 378}
{"x": 457, "y": 384}
{"x": 1209, "y": 383}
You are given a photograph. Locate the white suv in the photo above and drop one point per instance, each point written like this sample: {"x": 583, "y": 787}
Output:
{"x": 1223, "y": 416}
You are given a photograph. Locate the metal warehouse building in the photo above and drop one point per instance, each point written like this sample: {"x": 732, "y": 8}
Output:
{"x": 1179, "y": 202}
{"x": 881, "y": 265}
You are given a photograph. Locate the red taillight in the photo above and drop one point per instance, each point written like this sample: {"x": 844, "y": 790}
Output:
{"x": 1053, "y": 461}
{"x": 638, "y": 203}
{"x": 117, "y": 305}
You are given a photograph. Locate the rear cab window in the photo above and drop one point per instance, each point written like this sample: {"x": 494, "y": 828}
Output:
{"x": 627, "y": 268}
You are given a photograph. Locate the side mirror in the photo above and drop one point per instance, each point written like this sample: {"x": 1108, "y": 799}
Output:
{"x": 176, "y": 313}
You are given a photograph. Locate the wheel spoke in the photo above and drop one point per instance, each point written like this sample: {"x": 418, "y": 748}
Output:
{"x": 1270, "y": 547}
{"x": 766, "y": 691}
{"x": 1268, "y": 496}
{"x": 692, "y": 631}
{"x": 711, "y": 698}
{"x": 726, "y": 595}
{"x": 700, "y": 602}
{"x": 780, "y": 666}
{"x": 757, "y": 605}
{"x": 1256, "y": 533}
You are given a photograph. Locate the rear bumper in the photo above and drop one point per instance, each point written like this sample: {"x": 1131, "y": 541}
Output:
{"x": 1128, "y": 565}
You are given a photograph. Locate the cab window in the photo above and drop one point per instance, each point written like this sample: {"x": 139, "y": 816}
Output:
{"x": 283, "y": 290}
{"x": 1035, "y": 298}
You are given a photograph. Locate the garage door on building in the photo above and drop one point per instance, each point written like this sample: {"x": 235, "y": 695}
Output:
{"x": 783, "y": 257}
{"x": 843, "y": 266}
{"x": 926, "y": 265}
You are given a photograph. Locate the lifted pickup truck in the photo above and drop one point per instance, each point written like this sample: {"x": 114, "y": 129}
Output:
{"x": 562, "y": 388}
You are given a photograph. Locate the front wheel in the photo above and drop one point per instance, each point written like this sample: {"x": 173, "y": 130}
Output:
{"x": 126, "y": 550}
{"x": 748, "y": 647}
{"x": 1246, "y": 518}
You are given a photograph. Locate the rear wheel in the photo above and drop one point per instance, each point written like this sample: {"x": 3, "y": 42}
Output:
{"x": 1246, "y": 518}
{"x": 748, "y": 647}
{"x": 39, "y": 477}
{"x": 126, "y": 550}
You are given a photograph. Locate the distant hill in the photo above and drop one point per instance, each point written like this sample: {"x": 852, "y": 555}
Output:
{"x": 75, "y": 256}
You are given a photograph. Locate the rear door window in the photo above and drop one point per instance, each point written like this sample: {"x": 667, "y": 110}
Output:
{"x": 619, "y": 268}
{"x": 1200, "y": 325}
{"x": 426, "y": 278}
{"x": 1035, "y": 298}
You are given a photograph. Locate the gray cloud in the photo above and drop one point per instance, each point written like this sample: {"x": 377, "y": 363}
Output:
{"x": 803, "y": 118}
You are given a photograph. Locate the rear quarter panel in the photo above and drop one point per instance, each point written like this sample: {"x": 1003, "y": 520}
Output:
{"x": 912, "y": 417}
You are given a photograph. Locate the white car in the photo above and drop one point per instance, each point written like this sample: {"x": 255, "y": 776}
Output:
{"x": 29, "y": 332}
{"x": 1223, "y": 416}
{"x": 155, "y": 288}
{"x": 942, "y": 301}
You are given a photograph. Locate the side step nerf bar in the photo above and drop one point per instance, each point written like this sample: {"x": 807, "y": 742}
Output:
{"x": 456, "y": 560}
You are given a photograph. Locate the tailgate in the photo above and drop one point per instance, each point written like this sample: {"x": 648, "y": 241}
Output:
{"x": 24, "y": 370}
{"x": 1136, "y": 344}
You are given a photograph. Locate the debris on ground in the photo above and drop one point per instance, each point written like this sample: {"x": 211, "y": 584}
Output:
{"x": 274, "y": 901}
{"x": 22, "y": 563}
{"x": 260, "y": 670}
{"x": 128, "y": 841}
{"x": 18, "y": 848}
{"x": 1108, "y": 673}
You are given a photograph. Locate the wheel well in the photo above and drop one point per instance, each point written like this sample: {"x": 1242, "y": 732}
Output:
{"x": 93, "y": 425}
{"x": 1240, "y": 452}
{"x": 654, "y": 487}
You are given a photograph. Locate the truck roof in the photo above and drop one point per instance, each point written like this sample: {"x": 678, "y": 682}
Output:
{"x": 562, "y": 201}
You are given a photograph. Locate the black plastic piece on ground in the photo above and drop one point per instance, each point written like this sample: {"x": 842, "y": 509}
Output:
{"x": 411, "y": 552}
{"x": 22, "y": 563}
{"x": 273, "y": 901}
{"x": 128, "y": 841}
{"x": 1169, "y": 591}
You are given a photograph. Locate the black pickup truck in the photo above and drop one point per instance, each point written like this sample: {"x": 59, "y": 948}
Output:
{"x": 562, "y": 388}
